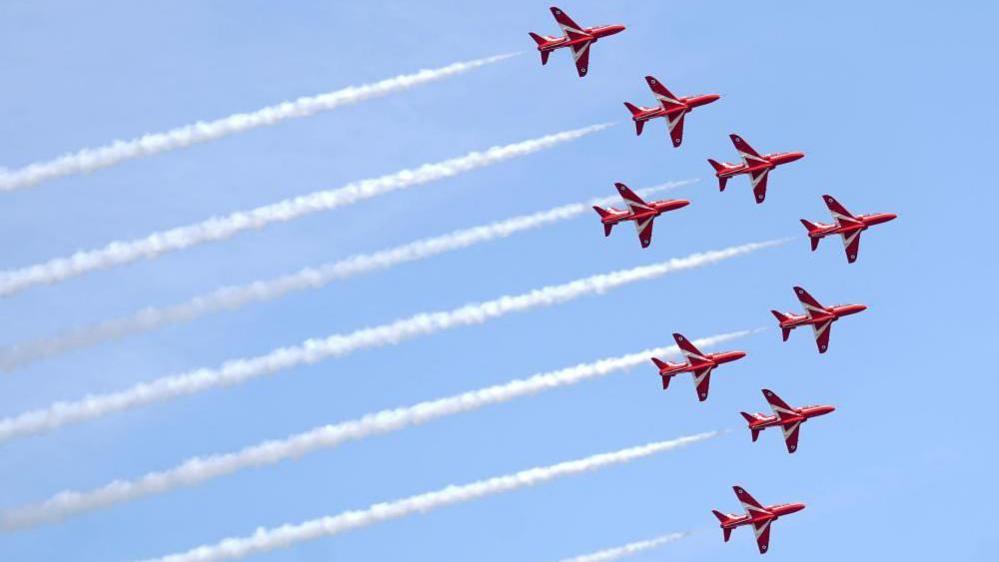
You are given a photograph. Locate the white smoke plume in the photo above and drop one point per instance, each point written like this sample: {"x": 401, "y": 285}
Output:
{"x": 201, "y": 469}
{"x": 629, "y": 549}
{"x": 219, "y": 228}
{"x": 91, "y": 159}
{"x": 266, "y": 540}
{"x": 315, "y": 350}
{"x": 236, "y": 296}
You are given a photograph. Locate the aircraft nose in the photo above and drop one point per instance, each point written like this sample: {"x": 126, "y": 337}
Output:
{"x": 736, "y": 355}
{"x": 681, "y": 203}
{"x": 795, "y": 507}
{"x": 792, "y": 156}
{"x": 711, "y": 98}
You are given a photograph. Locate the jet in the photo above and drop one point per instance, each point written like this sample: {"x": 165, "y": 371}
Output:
{"x": 699, "y": 364}
{"x": 756, "y": 515}
{"x": 576, "y": 37}
{"x": 788, "y": 418}
{"x": 847, "y": 225}
{"x": 644, "y": 214}
{"x": 671, "y": 107}
{"x": 753, "y": 163}
{"x": 819, "y": 317}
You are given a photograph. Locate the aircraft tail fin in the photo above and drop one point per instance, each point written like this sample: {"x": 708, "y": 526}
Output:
{"x": 811, "y": 227}
{"x": 719, "y": 167}
{"x": 541, "y": 41}
{"x": 751, "y": 418}
{"x": 604, "y": 214}
{"x": 660, "y": 364}
{"x": 722, "y": 518}
{"x": 781, "y": 317}
{"x": 635, "y": 110}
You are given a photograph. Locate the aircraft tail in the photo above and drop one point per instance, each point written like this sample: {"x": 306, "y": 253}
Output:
{"x": 635, "y": 110}
{"x": 781, "y": 317}
{"x": 540, "y": 41}
{"x": 751, "y": 418}
{"x": 811, "y": 227}
{"x": 662, "y": 365}
{"x": 604, "y": 214}
{"x": 719, "y": 167}
{"x": 722, "y": 518}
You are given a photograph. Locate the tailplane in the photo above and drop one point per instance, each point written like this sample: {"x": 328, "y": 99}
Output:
{"x": 722, "y": 518}
{"x": 541, "y": 41}
{"x": 751, "y": 418}
{"x": 635, "y": 111}
{"x": 811, "y": 227}
{"x": 781, "y": 317}
{"x": 719, "y": 168}
{"x": 604, "y": 213}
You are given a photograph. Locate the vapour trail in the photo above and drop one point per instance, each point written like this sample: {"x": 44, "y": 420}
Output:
{"x": 91, "y": 159}
{"x": 236, "y": 296}
{"x": 196, "y": 470}
{"x": 628, "y": 549}
{"x": 219, "y": 228}
{"x": 266, "y": 540}
{"x": 315, "y": 350}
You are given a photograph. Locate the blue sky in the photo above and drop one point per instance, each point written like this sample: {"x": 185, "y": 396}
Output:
{"x": 890, "y": 101}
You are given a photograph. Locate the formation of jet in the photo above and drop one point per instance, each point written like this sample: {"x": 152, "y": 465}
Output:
{"x": 847, "y": 225}
{"x": 672, "y": 108}
{"x": 642, "y": 213}
{"x": 819, "y": 317}
{"x": 576, "y": 38}
{"x": 789, "y": 419}
{"x": 756, "y": 515}
{"x": 698, "y": 364}
{"x": 756, "y": 165}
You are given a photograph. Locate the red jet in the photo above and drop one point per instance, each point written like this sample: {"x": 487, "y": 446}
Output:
{"x": 788, "y": 418}
{"x": 644, "y": 214}
{"x": 671, "y": 107}
{"x": 753, "y": 163}
{"x": 699, "y": 364}
{"x": 847, "y": 225}
{"x": 576, "y": 37}
{"x": 819, "y": 317}
{"x": 756, "y": 515}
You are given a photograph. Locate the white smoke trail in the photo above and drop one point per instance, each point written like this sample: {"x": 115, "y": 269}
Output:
{"x": 219, "y": 228}
{"x": 201, "y": 469}
{"x": 266, "y": 540}
{"x": 233, "y": 297}
{"x": 314, "y": 350}
{"x": 91, "y": 159}
{"x": 629, "y": 549}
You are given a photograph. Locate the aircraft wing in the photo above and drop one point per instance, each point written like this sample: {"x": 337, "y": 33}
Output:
{"x": 753, "y": 508}
{"x": 812, "y": 306}
{"x": 693, "y": 355}
{"x": 791, "y": 435}
{"x": 783, "y": 411}
{"x": 851, "y": 242}
{"x": 644, "y": 228}
{"x": 581, "y": 53}
{"x": 749, "y": 155}
{"x": 665, "y": 97}
{"x": 675, "y": 125}
{"x": 839, "y": 212}
{"x": 702, "y": 380}
{"x": 635, "y": 203}
{"x": 822, "y": 334}
{"x": 759, "y": 182}
{"x": 762, "y": 529}
{"x": 571, "y": 29}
